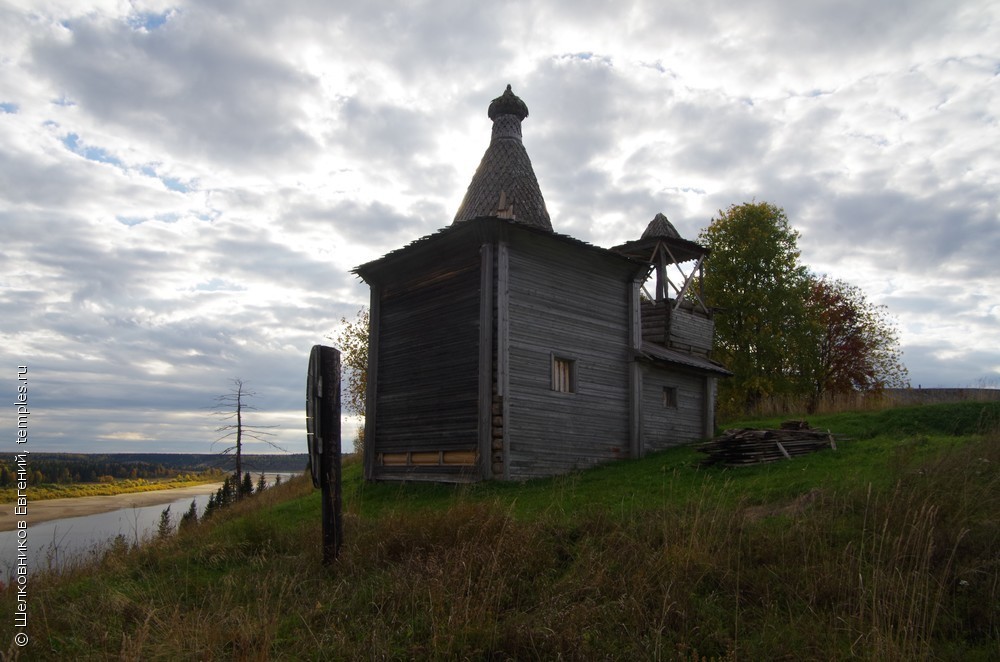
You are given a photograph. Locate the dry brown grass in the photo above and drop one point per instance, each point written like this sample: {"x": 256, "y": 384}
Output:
{"x": 863, "y": 402}
{"x": 903, "y": 572}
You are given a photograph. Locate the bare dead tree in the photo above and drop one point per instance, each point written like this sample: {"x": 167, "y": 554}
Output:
{"x": 231, "y": 408}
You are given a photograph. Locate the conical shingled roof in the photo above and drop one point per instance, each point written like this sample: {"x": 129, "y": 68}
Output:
{"x": 660, "y": 227}
{"x": 504, "y": 185}
{"x": 661, "y": 231}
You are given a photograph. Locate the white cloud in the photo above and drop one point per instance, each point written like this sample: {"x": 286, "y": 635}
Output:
{"x": 185, "y": 186}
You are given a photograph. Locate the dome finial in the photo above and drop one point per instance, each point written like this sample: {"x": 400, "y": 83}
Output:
{"x": 507, "y": 104}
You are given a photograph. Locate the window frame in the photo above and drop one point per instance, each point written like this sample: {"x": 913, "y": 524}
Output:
{"x": 562, "y": 372}
{"x": 670, "y": 397}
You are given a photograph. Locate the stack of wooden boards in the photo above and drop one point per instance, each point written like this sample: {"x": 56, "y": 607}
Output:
{"x": 749, "y": 446}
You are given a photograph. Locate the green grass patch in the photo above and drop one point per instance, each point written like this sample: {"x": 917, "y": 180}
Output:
{"x": 888, "y": 548}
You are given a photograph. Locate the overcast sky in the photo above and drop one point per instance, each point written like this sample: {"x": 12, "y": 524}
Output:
{"x": 185, "y": 186}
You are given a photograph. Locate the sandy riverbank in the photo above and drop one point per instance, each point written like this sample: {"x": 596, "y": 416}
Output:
{"x": 50, "y": 509}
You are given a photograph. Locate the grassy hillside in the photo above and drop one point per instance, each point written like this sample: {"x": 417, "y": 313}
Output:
{"x": 888, "y": 548}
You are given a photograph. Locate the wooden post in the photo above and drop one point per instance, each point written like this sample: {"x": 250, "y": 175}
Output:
{"x": 635, "y": 444}
{"x": 374, "y": 323}
{"x": 323, "y": 405}
{"x": 661, "y": 276}
{"x": 486, "y": 362}
{"x": 503, "y": 346}
{"x": 333, "y": 531}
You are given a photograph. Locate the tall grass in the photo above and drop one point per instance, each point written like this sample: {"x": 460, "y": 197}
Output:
{"x": 927, "y": 554}
{"x": 656, "y": 559}
{"x": 838, "y": 403}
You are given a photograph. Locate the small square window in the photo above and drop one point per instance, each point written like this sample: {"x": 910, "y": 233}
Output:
{"x": 563, "y": 375}
{"x": 670, "y": 397}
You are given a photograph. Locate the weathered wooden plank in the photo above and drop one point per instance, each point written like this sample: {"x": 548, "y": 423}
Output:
{"x": 503, "y": 345}
{"x": 708, "y": 408}
{"x": 485, "y": 366}
{"x": 749, "y": 446}
{"x": 561, "y": 306}
{"x": 450, "y": 474}
{"x": 667, "y": 426}
{"x": 429, "y": 359}
{"x": 635, "y": 432}
{"x": 503, "y": 316}
{"x": 654, "y": 322}
{"x": 371, "y": 404}
{"x": 691, "y": 331}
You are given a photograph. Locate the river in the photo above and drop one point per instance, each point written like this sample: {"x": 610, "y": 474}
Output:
{"x": 53, "y": 543}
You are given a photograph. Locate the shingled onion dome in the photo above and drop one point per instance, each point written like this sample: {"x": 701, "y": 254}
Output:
{"x": 504, "y": 185}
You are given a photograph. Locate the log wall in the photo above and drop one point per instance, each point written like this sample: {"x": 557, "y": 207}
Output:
{"x": 691, "y": 330}
{"x": 571, "y": 305}
{"x": 667, "y": 426}
{"x": 427, "y": 394}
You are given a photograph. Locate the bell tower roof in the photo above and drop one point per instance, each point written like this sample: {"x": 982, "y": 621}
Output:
{"x": 661, "y": 228}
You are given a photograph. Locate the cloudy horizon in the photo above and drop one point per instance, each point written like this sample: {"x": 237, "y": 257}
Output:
{"x": 185, "y": 187}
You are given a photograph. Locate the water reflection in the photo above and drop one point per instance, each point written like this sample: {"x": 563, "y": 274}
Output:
{"x": 52, "y": 544}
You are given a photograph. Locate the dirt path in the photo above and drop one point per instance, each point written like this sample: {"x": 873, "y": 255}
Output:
{"x": 50, "y": 509}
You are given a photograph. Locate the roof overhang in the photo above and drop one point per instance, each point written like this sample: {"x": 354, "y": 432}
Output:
{"x": 682, "y": 250}
{"x": 658, "y": 354}
{"x": 478, "y": 231}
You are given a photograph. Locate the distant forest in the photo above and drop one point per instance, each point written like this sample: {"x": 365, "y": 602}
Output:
{"x": 108, "y": 467}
